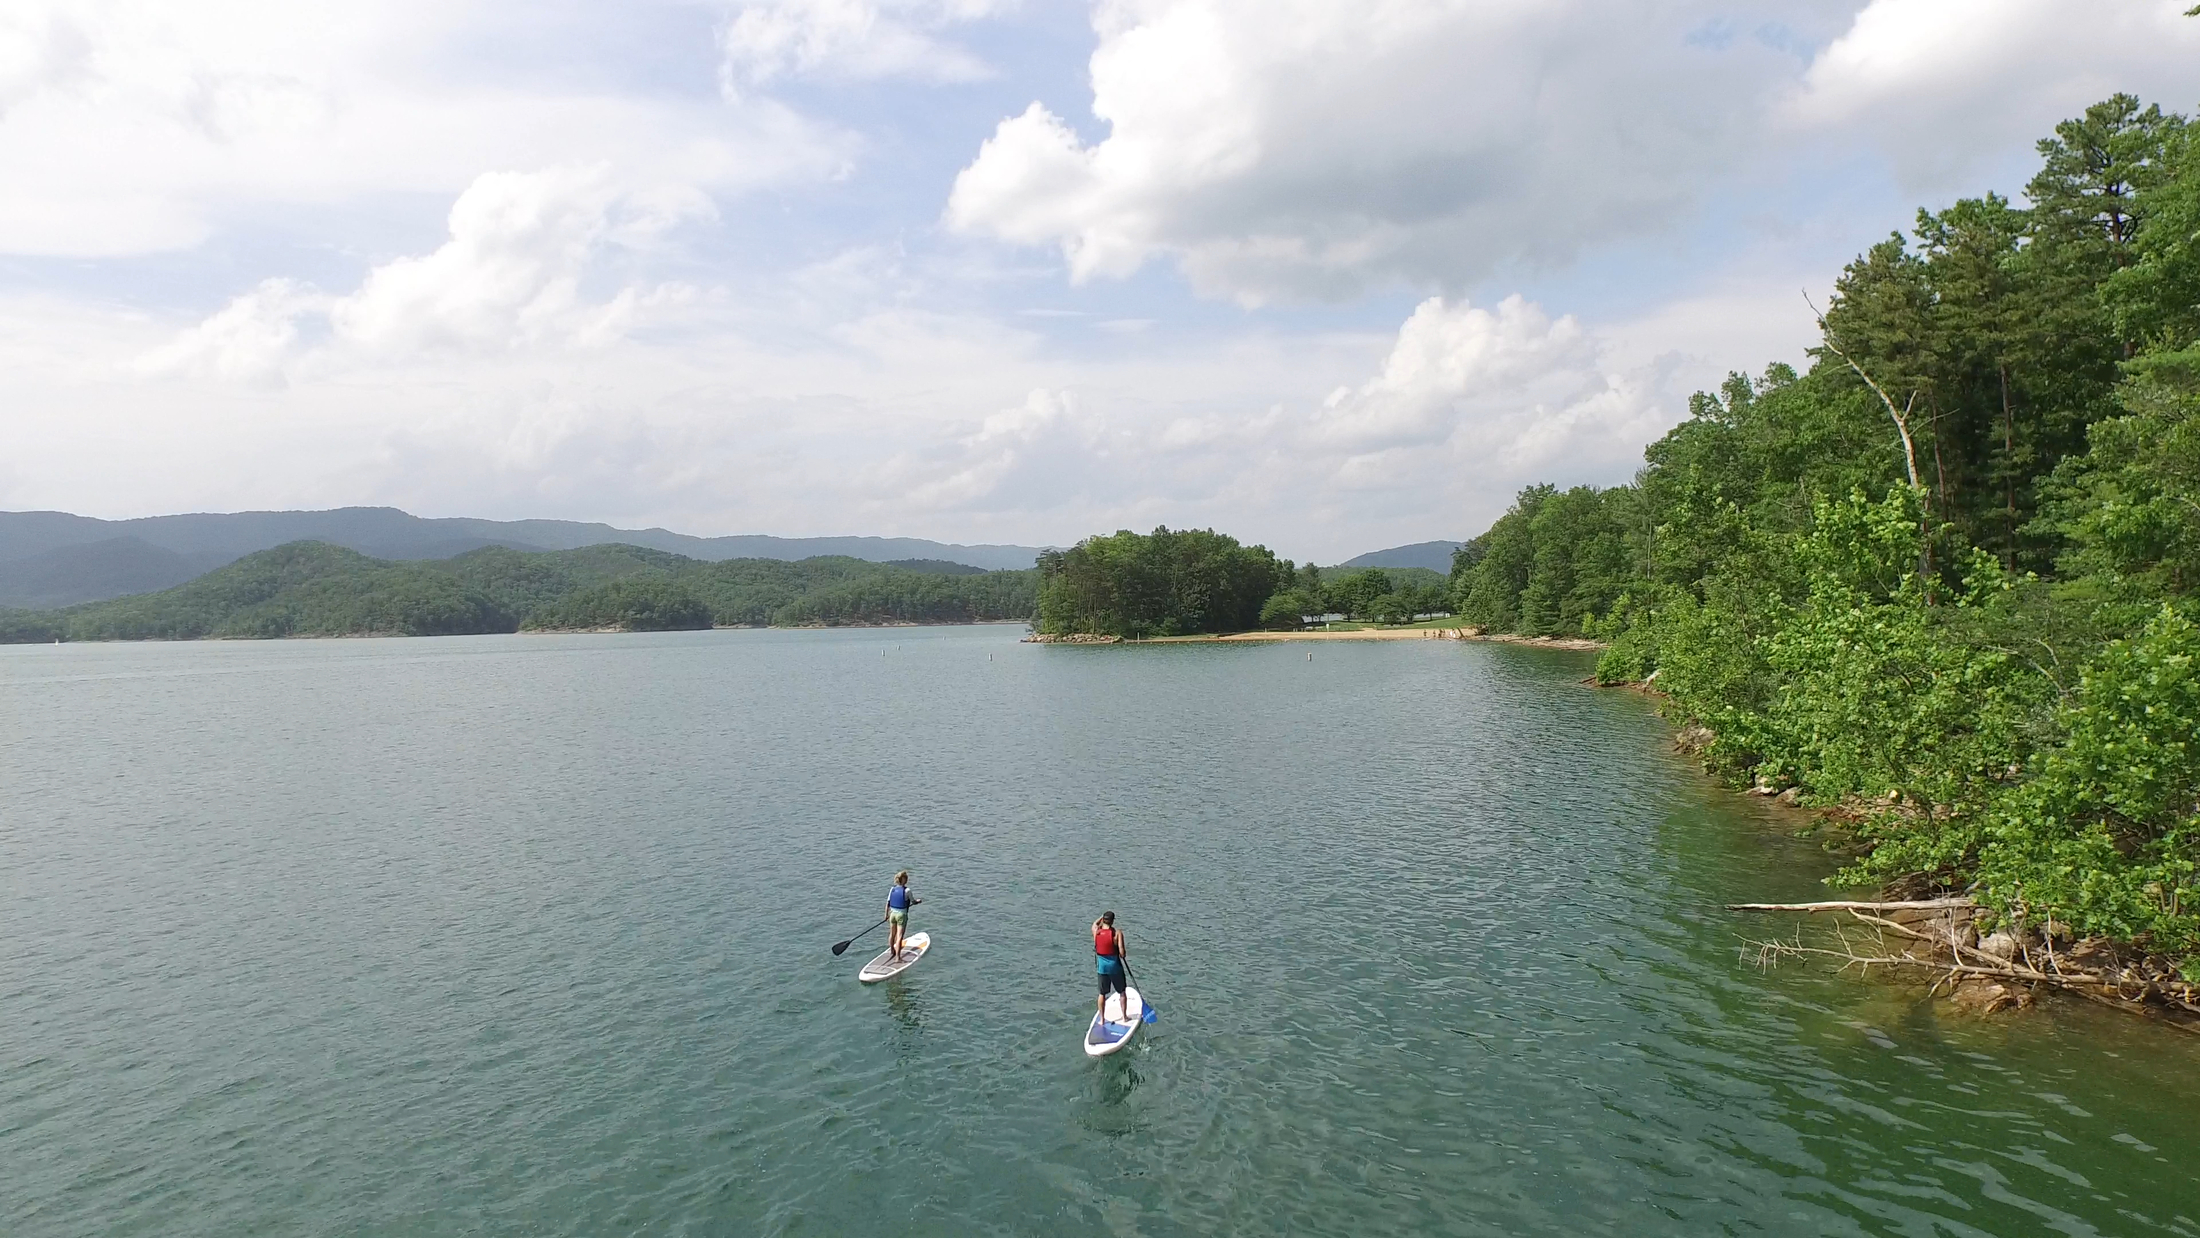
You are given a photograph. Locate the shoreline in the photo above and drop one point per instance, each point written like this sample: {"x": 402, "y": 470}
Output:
{"x": 599, "y": 631}
{"x": 1967, "y": 956}
{"x": 2008, "y": 966}
{"x": 1574, "y": 643}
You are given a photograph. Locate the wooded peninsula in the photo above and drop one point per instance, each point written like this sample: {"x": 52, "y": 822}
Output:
{"x": 1942, "y": 583}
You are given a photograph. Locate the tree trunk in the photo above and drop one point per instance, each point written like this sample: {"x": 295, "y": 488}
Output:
{"x": 2008, "y": 470}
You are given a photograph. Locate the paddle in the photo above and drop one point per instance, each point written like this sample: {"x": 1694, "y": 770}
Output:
{"x": 841, "y": 947}
{"x": 1150, "y": 1016}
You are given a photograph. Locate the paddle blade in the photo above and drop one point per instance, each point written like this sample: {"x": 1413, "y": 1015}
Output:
{"x": 841, "y": 947}
{"x": 1151, "y": 1016}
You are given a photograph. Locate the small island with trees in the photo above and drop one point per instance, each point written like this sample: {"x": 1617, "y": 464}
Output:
{"x": 1175, "y": 583}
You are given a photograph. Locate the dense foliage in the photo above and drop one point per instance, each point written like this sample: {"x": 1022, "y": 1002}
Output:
{"x": 302, "y": 589}
{"x": 1946, "y": 579}
{"x": 1374, "y": 594}
{"x": 315, "y": 589}
{"x": 907, "y": 597}
{"x": 1164, "y": 583}
{"x": 649, "y": 603}
{"x": 30, "y": 627}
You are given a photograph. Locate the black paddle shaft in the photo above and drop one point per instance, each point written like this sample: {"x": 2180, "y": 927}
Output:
{"x": 842, "y": 947}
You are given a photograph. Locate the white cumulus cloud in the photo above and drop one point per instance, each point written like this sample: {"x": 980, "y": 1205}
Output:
{"x": 1302, "y": 148}
{"x": 1307, "y": 150}
{"x": 139, "y": 126}
{"x": 1474, "y": 403}
{"x": 848, "y": 39}
{"x": 510, "y": 276}
{"x": 1938, "y": 82}
{"x": 562, "y": 336}
{"x": 1469, "y": 405}
{"x": 41, "y": 49}
{"x": 250, "y": 339}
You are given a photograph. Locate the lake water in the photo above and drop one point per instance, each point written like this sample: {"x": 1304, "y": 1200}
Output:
{"x": 528, "y": 935}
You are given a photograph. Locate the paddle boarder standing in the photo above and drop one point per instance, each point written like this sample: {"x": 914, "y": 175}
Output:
{"x": 898, "y": 903}
{"x": 1107, "y": 948}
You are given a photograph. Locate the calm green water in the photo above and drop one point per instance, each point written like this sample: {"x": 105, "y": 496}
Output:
{"x": 527, "y": 935}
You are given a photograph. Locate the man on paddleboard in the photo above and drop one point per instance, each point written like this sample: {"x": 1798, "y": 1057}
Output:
{"x": 1107, "y": 947}
{"x": 898, "y": 903}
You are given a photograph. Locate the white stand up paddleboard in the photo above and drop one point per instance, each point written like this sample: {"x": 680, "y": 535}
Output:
{"x": 1115, "y": 1024}
{"x": 886, "y": 965}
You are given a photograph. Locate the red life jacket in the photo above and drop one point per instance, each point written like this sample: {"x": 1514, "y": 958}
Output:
{"x": 1103, "y": 941}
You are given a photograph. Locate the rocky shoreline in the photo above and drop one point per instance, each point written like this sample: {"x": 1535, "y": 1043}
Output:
{"x": 1071, "y": 638}
{"x": 2004, "y": 967}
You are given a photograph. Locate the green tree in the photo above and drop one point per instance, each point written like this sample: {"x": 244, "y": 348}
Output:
{"x": 1358, "y": 594}
{"x": 2130, "y": 506}
{"x": 1166, "y": 583}
{"x": 1992, "y": 669}
{"x": 1289, "y": 609}
{"x": 636, "y": 604}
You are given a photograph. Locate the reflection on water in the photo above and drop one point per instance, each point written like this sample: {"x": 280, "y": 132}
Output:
{"x": 906, "y": 1003}
{"x": 526, "y": 935}
{"x": 1108, "y": 1108}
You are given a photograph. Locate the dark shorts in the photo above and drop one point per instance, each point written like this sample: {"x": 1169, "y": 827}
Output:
{"x": 1111, "y": 981}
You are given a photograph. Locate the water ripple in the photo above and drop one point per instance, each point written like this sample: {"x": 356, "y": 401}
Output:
{"x": 527, "y": 935}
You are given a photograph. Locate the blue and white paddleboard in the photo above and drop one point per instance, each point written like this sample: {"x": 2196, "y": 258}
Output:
{"x": 1115, "y": 1023}
{"x": 887, "y": 965}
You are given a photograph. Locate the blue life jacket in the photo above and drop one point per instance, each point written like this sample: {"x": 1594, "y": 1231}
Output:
{"x": 897, "y": 898}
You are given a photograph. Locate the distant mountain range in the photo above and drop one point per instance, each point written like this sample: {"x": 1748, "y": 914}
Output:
{"x": 1435, "y": 556}
{"x": 316, "y": 589}
{"x": 50, "y": 559}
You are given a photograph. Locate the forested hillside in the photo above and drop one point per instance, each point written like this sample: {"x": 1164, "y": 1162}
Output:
{"x": 315, "y": 589}
{"x": 1945, "y": 578}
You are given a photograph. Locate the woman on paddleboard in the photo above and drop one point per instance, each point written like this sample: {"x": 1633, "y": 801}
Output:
{"x": 898, "y": 903}
{"x": 1107, "y": 948}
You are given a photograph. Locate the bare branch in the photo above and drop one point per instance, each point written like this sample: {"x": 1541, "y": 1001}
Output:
{"x": 1901, "y": 415}
{"x": 1968, "y": 962}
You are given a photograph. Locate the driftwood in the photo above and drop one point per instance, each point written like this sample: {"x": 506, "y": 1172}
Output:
{"x": 1914, "y": 904}
{"x": 1955, "y": 958}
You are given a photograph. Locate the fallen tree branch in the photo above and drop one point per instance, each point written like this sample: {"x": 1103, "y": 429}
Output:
{"x": 1916, "y": 904}
{"x": 2092, "y": 987}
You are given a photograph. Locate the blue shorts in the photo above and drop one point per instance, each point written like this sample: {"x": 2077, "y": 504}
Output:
{"x": 1111, "y": 977}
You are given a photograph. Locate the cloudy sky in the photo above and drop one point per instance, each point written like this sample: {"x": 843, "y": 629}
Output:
{"x": 1327, "y": 274}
